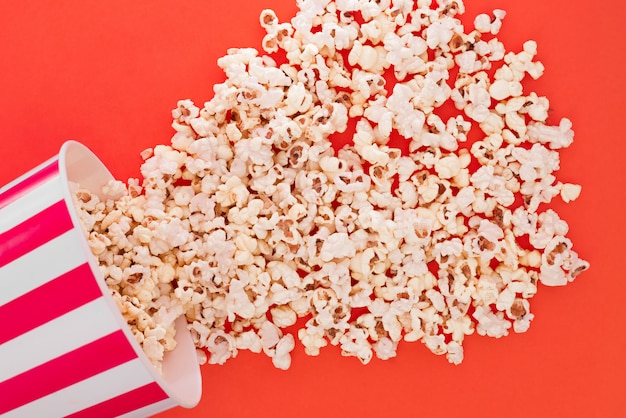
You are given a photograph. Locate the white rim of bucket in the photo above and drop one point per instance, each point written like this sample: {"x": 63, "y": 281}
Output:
{"x": 182, "y": 386}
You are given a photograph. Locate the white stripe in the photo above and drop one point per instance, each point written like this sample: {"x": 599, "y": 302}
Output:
{"x": 41, "y": 265}
{"x": 89, "y": 392}
{"x": 33, "y": 202}
{"x": 59, "y": 336}
{"x": 150, "y": 410}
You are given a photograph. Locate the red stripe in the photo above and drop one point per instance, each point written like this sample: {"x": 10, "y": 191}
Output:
{"x": 29, "y": 183}
{"x": 48, "y": 301}
{"x": 34, "y": 232}
{"x": 125, "y": 403}
{"x": 87, "y": 361}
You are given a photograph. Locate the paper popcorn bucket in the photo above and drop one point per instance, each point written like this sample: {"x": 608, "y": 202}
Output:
{"x": 65, "y": 349}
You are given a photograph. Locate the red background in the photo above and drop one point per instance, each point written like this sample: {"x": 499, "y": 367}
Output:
{"x": 108, "y": 72}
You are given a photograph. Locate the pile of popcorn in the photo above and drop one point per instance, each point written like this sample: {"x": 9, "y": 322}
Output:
{"x": 252, "y": 225}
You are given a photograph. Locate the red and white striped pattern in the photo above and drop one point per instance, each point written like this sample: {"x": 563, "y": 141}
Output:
{"x": 63, "y": 351}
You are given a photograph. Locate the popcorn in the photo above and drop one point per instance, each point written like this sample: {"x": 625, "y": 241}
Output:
{"x": 570, "y": 192}
{"x": 257, "y": 230}
{"x": 491, "y": 324}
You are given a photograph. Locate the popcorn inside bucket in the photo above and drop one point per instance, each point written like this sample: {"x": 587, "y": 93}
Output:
{"x": 422, "y": 228}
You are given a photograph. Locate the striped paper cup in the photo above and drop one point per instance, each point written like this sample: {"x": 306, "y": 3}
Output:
{"x": 65, "y": 348}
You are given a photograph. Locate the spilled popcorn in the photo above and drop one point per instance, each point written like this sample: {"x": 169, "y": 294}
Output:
{"x": 256, "y": 229}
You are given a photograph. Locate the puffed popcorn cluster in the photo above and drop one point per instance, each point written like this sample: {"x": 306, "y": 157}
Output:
{"x": 253, "y": 225}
